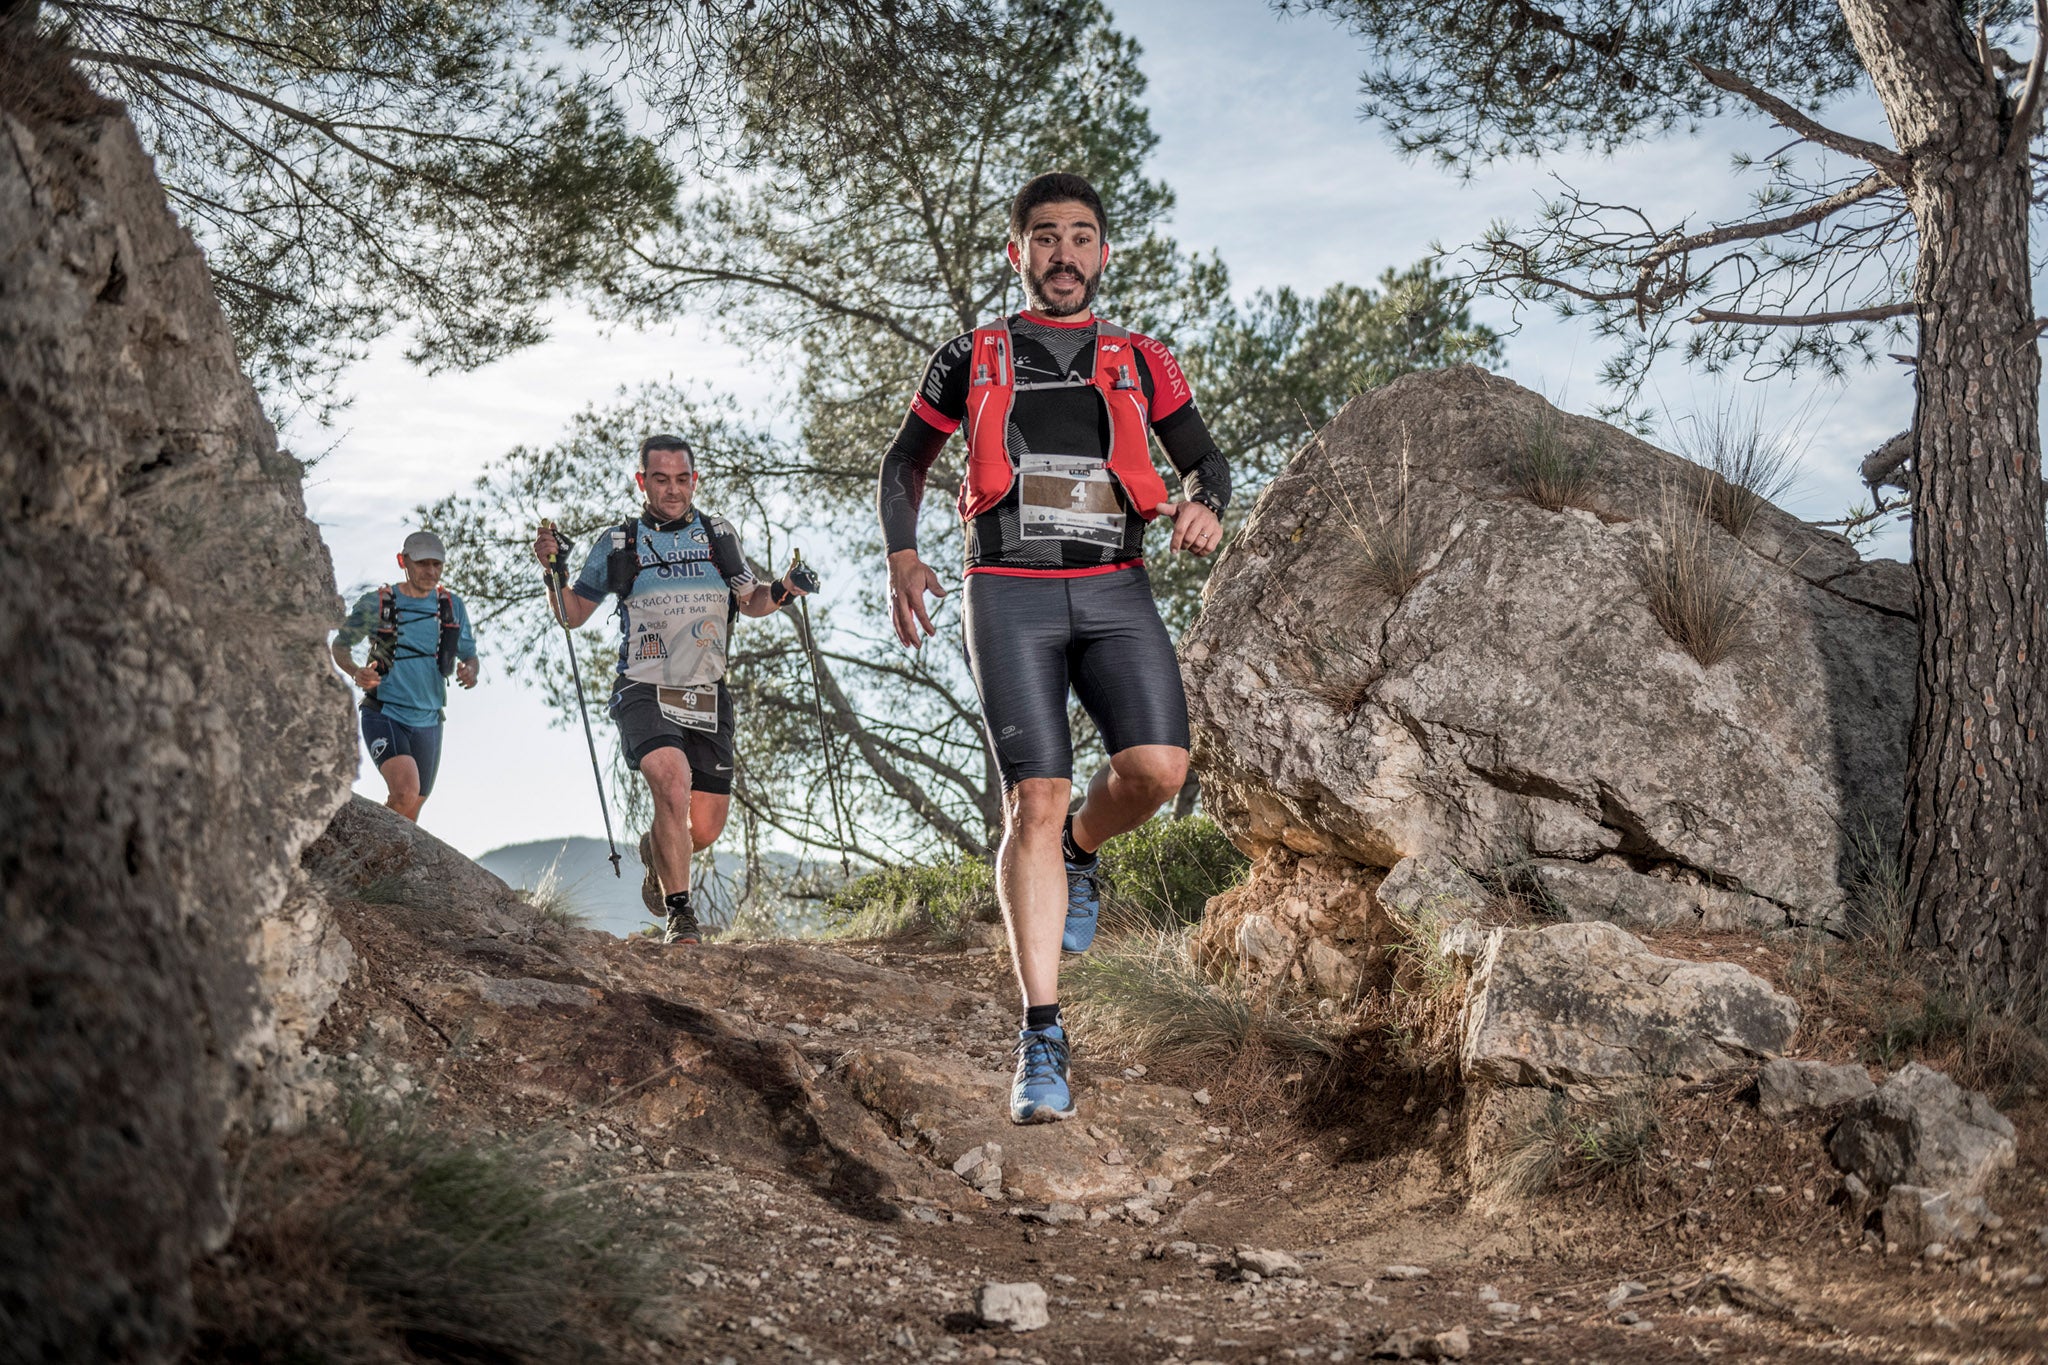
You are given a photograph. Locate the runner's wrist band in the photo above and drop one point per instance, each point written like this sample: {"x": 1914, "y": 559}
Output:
{"x": 780, "y": 593}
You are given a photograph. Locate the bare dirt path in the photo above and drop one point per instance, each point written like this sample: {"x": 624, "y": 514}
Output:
{"x": 713, "y": 1091}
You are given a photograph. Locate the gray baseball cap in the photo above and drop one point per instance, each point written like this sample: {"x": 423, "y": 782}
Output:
{"x": 423, "y": 545}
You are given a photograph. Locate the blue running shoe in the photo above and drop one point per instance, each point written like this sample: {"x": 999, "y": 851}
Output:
{"x": 1040, "y": 1094}
{"x": 1084, "y": 905}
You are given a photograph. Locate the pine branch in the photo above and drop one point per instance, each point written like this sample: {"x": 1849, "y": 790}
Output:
{"x": 1875, "y": 313}
{"x": 1890, "y": 163}
{"x": 2021, "y": 134}
{"x": 1868, "y": 187}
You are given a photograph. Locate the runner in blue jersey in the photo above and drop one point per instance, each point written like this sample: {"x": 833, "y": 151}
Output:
{"x": 419, "y": 637}
{"x": 680, "y": 577}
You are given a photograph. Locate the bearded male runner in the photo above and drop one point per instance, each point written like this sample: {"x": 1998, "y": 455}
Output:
{"x": 680, "y": 577}
{"x": 1056, "y": 406}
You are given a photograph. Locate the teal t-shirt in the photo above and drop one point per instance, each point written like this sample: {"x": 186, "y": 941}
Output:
{"x": 414, "y": 692}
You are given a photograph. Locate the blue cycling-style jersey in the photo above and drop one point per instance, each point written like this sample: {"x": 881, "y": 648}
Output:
{"x": 675, "y": 623}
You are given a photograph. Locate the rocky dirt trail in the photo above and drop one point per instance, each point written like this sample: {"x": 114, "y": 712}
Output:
{"x": 813, "y": 1135}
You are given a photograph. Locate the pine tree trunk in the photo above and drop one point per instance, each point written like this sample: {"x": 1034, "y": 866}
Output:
{"x": 1973, "y": 848}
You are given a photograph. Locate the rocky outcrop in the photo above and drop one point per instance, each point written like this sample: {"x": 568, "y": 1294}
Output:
{"x": 169, "y": 733}
{"x": 1312, "y": 924}
{"x": 1786, "y": 1088}
{"x": 1920, "y": 1128}
{"x": 1521, "y": 699}
{"x": 1588, "y": 1007}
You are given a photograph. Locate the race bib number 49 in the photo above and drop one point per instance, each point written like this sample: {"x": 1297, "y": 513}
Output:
{"x": 693, "y": 708}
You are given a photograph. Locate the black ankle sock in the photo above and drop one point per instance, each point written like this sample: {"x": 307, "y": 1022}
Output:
{"x": 1040, "y": 1017}
{"x": 678, "y": 902}
{"x": 1070, "y": 850}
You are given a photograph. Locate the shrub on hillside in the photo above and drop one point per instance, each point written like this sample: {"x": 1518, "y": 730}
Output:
{"x": 1159, "y": 876}
{"x": 1162, "y": 874}
{"x": 938, "y": 899}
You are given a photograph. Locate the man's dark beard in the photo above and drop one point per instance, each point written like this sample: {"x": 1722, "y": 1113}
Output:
{"x": 1034, "y": 291}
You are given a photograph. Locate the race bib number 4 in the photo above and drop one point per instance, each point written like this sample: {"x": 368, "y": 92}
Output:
{"x": 693, "y": 708}
{"x": 1069, "y": 497}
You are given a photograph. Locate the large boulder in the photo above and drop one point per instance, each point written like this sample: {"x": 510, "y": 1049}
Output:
{"x": 1587, "y": 1007}
{"x": 1521, "y": 699}
{"x": 169, "y": 733}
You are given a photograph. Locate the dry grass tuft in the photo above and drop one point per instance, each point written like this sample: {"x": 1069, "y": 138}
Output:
{"x": 1743, "y": 466}
{"x": 1572, "y": 1145}
{"x": 554, "y": 905}
{"x": 1390, "y": 550}
{"x": 1143, "y": 994}
{"x": 383, "y": 1241}
{"x": 1701, "y": 587}
{"x": 1550, "y": 468}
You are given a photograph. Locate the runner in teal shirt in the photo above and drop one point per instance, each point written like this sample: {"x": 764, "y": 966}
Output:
{"x": 412, "y": 638}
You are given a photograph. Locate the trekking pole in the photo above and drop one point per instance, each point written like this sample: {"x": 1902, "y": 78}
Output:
{"x": 557, "y": 574}
{"x": 803, "y": 606}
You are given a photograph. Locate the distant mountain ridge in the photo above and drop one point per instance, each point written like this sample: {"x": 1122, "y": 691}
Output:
{"x": 583, "y": 872}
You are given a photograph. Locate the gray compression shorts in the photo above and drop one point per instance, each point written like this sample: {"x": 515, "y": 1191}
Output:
{"x": 1029, "y": 639}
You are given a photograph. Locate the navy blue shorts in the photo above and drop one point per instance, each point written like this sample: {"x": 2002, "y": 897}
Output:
{"x": 1030, "y": 639}
{"x": 389, "y": 739}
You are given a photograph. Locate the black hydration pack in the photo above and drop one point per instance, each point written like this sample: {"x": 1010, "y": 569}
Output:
{"x": 622, "y": 563}
{"x": 384, "y": 639}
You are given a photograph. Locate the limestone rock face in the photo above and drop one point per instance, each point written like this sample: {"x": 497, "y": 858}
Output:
{"x": 1521, "y": 698}
{"x": 1587, "y": 1006}
{"x": 1917, "y": 1218}
{"x": 1786, "y": 1088}
{"x": 1312, "y": 924}
{"x": 1921, "y": 1128}
{"x": 170, "y": 738}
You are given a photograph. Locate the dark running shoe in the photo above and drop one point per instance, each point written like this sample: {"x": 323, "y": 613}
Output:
{"x": 681, "y": 927}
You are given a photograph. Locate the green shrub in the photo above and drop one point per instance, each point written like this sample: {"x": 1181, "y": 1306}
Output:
{"x": 939, "y": 900}
{"x": 1163, "y": 873}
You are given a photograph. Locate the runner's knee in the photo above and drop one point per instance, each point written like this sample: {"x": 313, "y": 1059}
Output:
{"x": 1036, "y": 805}
{"x": 668, "y": 779}
{"x": 1155, "y": 772}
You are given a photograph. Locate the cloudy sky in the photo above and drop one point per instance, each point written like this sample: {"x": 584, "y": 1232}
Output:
{"x": 1260, "y": 138}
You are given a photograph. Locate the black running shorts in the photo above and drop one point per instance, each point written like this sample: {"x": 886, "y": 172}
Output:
{"x": 1029, "y": 639}
{"x": 643, "y": 729}
{"x": 389, "y": 739}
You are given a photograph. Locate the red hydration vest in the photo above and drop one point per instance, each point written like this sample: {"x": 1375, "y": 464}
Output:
{"x": 992, "y": 390}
